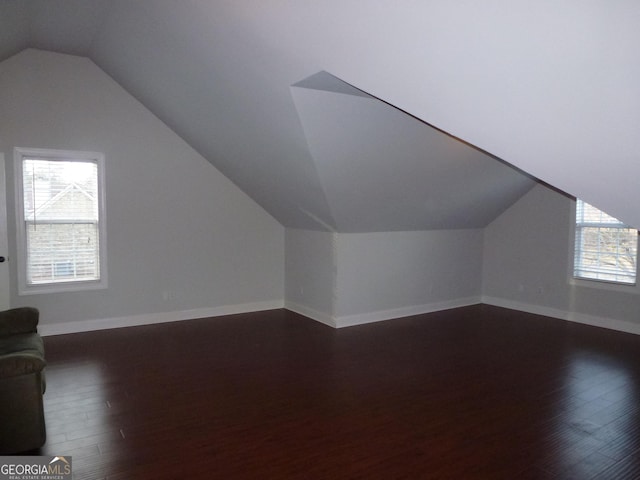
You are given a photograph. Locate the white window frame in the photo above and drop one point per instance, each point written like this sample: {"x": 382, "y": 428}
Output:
{"x": 593, "y": 282}
{"x": 24, "y": 288}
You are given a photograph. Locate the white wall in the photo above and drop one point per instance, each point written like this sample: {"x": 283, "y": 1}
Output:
{"x": 350, "y": 279}
{"x": 527, "y": 261}
{"x": 394, "y": 274}
{"x": 310, "y": 270}
{"x": 174, "y": 223}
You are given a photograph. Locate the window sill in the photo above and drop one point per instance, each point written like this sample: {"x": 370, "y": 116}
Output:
{"x": 61, "y": 287}
{"x": 604, "y": 285}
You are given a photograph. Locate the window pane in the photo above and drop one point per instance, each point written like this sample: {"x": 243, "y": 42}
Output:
{"x": 62, "y": 252}
{"x": 586, "y": 213}
{"x": 60, "y": 190}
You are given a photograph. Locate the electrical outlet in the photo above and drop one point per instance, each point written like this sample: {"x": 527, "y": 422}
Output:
{"x": 169, "y": 295}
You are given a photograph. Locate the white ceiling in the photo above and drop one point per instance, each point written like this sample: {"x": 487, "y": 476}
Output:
{"x": 549, "y": 88}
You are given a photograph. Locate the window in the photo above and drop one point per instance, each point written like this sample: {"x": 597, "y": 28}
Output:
{"x": 61, "y": 220}
{"x": 605, "y": 248}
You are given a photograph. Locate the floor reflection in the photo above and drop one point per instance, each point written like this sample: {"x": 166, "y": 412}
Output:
{"x": 598, "y": 415}
{"x": 78, "y": 406}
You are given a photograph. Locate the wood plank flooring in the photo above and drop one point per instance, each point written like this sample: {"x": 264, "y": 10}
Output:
{"x": 472, "y": 393}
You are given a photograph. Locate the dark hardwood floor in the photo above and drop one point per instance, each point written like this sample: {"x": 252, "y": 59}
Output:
{"x": 472, "y": 393}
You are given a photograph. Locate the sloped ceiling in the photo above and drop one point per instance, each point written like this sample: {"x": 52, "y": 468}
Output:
{"x": 548, "y": 88}
{"x": 382, "y": 169}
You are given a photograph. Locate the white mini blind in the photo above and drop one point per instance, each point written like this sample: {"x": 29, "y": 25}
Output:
{"x": 605, "y": 248}
{"x": 61, "y": 215}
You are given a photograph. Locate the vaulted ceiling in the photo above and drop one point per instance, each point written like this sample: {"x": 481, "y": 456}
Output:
{"x": 345, "y": 115}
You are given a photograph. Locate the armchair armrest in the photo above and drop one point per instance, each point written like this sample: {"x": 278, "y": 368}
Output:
{"x": 20, "y": 363}
{"x": 19, "y": 320}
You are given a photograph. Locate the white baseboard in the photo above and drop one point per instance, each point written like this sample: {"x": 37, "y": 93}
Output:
{"x": 379, "y": 316}
{"x": 48, "y": 329}
{"x": 321, "y": 317}
{"x": 326, "y": 319}
{"x": 594, "y": 321}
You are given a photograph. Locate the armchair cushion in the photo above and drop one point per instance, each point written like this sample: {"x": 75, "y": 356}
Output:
{"x": 19, "y": 320}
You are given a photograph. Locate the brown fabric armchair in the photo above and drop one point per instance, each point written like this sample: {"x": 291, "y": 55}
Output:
{"x": 22, "y": 385}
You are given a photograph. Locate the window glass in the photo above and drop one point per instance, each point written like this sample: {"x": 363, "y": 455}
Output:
{"x": 605, "y": 248}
